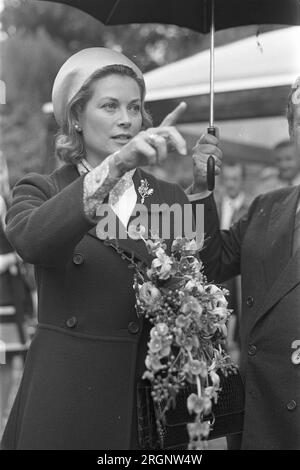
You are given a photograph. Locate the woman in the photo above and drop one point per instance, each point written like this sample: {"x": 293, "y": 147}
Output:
{"x": 78, "y": 388}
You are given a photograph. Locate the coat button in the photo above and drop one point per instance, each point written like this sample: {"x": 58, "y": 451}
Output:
{"x": 78, "y": 258}
{"x": 71, "y": 322}
{"x": 250, "y": 301}
{"x": 252, "y": 349}
{"x": 291, "y": 405}
{"x": 133, "y": 327}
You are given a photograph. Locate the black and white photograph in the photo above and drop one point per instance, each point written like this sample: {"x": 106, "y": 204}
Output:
{"x": 149, "y": 228}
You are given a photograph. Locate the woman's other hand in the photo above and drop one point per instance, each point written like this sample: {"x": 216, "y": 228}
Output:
{"x": 207, "y": 145}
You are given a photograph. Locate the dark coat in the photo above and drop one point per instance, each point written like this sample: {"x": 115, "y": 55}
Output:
{"x": 78, "y": 387}
{"x": 14, "y": 293}
{"x": 259, "y": 246}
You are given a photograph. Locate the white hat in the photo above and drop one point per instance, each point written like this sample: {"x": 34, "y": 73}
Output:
{"x": 77, "y": 69}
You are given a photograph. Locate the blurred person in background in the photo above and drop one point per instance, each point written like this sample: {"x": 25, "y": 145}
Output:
{"x": 288, "y": 163}
{"x": 232, "y": 200}
{"x": 179, "y": 170}
{"x": 232, "y": 204}
{"x": 287, "y": 169}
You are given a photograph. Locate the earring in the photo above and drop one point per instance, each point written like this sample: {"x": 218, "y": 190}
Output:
{"x": 78, "y": 128}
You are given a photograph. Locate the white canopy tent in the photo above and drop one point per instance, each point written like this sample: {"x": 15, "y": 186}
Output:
{"x": 269, "y": 60}
{"x": 252, "y": 80}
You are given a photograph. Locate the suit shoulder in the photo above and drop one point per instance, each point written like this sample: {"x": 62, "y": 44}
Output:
{"x": 267, "y": 200}
{"x": 276, "y": 194}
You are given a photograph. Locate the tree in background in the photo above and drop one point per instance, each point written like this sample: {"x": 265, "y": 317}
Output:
{"x": 29, "y": 65}
{"x": 73, "y": 30}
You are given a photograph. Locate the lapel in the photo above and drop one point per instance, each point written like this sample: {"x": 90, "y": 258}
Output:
{"x": 136, "y": 248}
{"x": 279, "y": 236}
{"x": 288, "y": 280}
{"x": 282, "y": 270}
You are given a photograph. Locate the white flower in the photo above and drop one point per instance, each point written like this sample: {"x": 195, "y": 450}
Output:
{"x": 223, "y": 329}
{"x": 215, "y": 379}
{"x": 161, "y": 265}
{"x": 212, "y": 289}
{"x": 194, "y": 284}
{"x": 153, "y": 363}
{"x": 221, "y": 301}
{"x": 149, "y": 294}
{"x": 191, "y": 305}
{"x": 162, "y": 329}
{"x": 194, "y": 403}
{"x": 221, "y": 312}
{"x": 191, "y": 246}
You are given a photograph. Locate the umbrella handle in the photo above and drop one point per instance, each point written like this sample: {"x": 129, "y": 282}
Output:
{"x": 211, "y": 165}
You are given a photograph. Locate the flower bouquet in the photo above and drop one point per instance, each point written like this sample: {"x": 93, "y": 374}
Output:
{"x": 186, "y": 345}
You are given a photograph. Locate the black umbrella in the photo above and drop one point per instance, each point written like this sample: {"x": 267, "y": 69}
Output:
{"x": 193, "y": 14}
{"x": 200, "y": 15}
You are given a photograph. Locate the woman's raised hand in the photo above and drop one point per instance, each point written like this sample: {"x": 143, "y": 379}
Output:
{"x": 151, "y": 146}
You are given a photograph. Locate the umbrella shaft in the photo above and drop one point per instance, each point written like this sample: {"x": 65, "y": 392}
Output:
{"x": 212, "y": 64}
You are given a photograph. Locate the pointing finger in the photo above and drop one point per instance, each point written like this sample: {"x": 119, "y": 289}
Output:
{"x": 172, "y": 118}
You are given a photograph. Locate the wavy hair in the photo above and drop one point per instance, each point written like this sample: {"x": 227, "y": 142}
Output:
{"x": 69, "y": 143}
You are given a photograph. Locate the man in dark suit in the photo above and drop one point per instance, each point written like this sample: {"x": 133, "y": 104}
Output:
{"x": 264, "y": 247}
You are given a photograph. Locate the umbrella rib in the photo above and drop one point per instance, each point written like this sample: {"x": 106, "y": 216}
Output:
{"x": 112, "y": 11}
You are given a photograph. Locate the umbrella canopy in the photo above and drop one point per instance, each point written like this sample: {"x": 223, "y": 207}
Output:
{"x": 193, "y": 14}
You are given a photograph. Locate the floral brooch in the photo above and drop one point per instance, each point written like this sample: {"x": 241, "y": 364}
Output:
{"x": 144, "y": 190}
